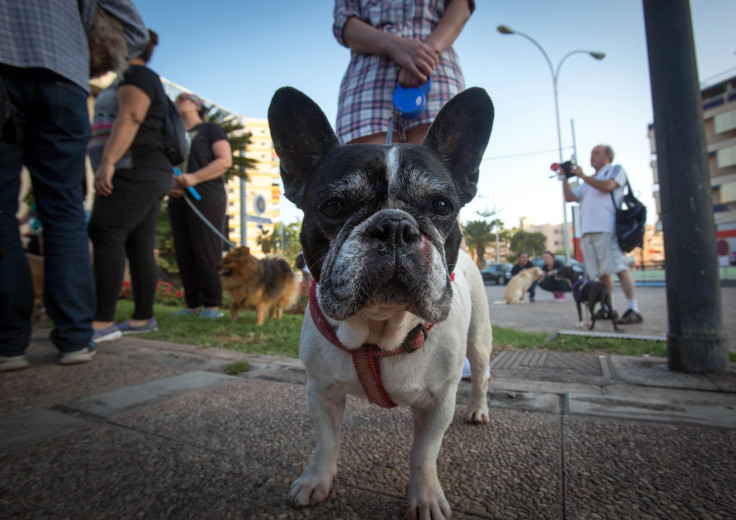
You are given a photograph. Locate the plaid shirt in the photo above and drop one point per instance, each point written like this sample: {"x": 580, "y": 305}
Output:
{"x": 50, "y": 34}
{"x": 365, "y": 104}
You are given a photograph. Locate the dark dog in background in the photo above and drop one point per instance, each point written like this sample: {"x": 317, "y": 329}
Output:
{"x": 589, "y": 293}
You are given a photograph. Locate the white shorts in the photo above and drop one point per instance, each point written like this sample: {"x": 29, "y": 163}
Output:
{"x": 602, "y": 255}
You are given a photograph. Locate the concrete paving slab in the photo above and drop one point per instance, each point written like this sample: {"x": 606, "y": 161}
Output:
{"x": 650, "y": 410}
{"x": 32, "y": 426}
{"x": 119, "y": 364}
{"x": 375, "y": 448}
{"x": 125, "y": 399}
{"x": 624, "y": 469}
{"x": 670, "y": 395}
{"x": 653, "y": 371}
{"x": 498, "y": 384}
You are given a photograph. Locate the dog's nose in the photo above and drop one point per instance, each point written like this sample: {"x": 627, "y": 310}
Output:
{"x": 398, "y": 231}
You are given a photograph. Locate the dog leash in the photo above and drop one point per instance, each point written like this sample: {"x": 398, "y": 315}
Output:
{"x": 209, "y": 224}
{"x": 365, "y": 358}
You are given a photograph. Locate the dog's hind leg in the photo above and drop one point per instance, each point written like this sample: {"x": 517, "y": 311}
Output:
{"x": 261, "y": 311}
{"x": 479, "y": 347}
{"x": 326, "y": 406}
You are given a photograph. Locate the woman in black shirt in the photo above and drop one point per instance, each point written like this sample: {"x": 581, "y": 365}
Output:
{"x": 199, "y": 250}
{"x": 129, "y": 194}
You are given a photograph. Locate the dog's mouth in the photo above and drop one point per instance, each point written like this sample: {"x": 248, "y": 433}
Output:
{"x": 226, "y": 271}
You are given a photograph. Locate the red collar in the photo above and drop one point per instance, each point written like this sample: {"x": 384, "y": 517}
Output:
{"x": 365, "y": 358}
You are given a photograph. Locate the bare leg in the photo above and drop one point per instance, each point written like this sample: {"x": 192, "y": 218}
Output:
{"x": 416, "y": 134}
{"x": 628, "y": 284}
{"x": 607, "y": 281}
{"x": 375, "y": 139}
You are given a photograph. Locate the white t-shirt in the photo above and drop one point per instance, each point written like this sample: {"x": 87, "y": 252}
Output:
{"x": 597, "y": 213}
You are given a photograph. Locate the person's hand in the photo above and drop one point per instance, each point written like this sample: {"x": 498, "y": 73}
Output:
{"x": 103, "y": 178}
{"x": 186, "y": 180}
{"x": 575, "y": 169}
{"x": 176, "y": 190}
{"x": 418, "y": 58}
{"x": 407, "y": 79}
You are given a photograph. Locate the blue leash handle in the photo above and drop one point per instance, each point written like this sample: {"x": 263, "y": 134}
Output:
{"x": 191, "y": 189}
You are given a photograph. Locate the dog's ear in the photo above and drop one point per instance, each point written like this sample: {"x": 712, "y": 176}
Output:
{"x": 459, "y": 135}
{"x": 301, "y": 136}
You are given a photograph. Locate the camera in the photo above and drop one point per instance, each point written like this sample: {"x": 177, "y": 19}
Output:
{"x": 566, "y": 167}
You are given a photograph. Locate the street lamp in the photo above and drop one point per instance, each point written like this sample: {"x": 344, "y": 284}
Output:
{"x": 505, "y": 29}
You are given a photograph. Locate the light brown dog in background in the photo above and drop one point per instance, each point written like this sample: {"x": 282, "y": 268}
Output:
{"x": 517, "y": 288}
{"x": 266, "y": 285}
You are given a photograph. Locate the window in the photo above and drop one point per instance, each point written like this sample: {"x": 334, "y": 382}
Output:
{"x": 726, "y": 157}
{"x": 724, "y": 122}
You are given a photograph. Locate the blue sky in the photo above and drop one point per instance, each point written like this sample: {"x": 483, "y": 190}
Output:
{"x": 238, "y": 52}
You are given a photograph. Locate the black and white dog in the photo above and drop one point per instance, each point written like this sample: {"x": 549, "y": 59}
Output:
{"x": 589, "y": 293}
{"x": 381, "y": 238}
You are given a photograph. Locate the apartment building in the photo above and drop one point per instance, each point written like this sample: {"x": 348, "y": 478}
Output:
{"x": 719, "y": 117}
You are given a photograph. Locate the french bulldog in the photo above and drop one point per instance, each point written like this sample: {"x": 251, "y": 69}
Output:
{"x": 380, "y": 236}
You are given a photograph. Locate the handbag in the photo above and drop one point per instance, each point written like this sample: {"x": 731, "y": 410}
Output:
{"x": 631, "y": 218}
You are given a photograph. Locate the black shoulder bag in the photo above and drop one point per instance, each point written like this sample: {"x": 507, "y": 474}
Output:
{"x": 631, "y": 218}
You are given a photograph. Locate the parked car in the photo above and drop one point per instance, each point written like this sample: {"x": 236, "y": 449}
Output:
{"x": 500, "y": 274}
{"x": 575, "y": 264}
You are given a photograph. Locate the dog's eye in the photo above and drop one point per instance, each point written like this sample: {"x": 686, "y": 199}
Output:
{"x": 332, "y": 208}
{"x": 441, "y": 207}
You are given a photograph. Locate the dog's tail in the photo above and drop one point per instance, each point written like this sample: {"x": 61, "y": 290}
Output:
{"x": 500, "y": 302}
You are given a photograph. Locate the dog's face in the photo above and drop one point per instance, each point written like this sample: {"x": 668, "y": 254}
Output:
{"x": 238, "y": 263}
{"x": 380, "y": 224}
{"x": 568, "y": 273}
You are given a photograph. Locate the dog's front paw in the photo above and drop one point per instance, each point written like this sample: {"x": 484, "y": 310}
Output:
{"x": 477, "y": 415}
{"x": 309, "y": 489}
{"x": 428, "y": 502}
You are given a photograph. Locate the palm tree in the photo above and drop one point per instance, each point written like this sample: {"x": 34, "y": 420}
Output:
{"x": 239, "y": 139}
{"x": 478, "y": 235}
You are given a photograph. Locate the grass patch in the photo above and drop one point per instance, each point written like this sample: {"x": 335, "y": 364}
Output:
{"x": 274, "y": 337}
{"x": 281, "y": 338}
{"x": 237, "y": 368}
{"x": 507, "y": 339}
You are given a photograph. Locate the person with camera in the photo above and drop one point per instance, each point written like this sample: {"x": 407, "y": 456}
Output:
{"x": 601, "y": 253}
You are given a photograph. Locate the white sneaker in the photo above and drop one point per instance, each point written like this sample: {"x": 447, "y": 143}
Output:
{"x": 83, "y": 355}
{"x": 9, "y": 363}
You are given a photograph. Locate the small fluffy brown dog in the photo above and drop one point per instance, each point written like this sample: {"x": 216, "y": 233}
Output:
{"x": 265, "y": 285}
{"x": 519, "y": 284}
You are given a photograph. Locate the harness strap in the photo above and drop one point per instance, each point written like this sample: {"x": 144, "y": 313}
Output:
{"x": 365, "y": 358}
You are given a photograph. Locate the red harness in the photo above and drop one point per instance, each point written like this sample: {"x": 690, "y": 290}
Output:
{"x": 365, "y": 357}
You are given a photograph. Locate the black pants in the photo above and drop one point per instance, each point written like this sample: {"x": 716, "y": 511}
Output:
{"x": 552, "y": 285}
{"x": 124, "y": 224}
{"x": 198, "y": 250}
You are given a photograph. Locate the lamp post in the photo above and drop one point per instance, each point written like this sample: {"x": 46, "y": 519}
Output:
{"x": 504, "y": 29}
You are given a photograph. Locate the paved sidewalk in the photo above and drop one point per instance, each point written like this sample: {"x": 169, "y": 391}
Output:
{"x": 156, "y": 430}
{"x": 546, "y": 315}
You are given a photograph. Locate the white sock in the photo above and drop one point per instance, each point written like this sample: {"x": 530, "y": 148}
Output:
{"x": 633, "y": 305}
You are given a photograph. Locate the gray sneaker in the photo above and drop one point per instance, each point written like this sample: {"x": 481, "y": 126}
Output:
{"x": 109, "y": 333}
{"x": 126, "y": 328}
{"x": 83, "y": 355}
